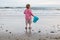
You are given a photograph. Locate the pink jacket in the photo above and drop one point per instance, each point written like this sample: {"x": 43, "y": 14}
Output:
{"x": 28, "y": 14}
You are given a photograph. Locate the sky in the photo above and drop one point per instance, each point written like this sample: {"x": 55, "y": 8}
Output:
{"x": 22, "y": 3}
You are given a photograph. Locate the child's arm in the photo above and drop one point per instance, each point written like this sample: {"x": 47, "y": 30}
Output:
{"x": 24, "y": 11}
{"x": 31, "y": 13}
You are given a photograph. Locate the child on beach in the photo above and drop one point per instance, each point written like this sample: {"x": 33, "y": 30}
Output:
{"x": 28, "y": 16}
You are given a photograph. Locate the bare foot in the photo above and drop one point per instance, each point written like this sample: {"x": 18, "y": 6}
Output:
{"x": 29, "y": 27}
{"x": 26, "y": 29}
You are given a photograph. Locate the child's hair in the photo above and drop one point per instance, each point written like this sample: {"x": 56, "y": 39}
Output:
{"x": 28, "y": 6}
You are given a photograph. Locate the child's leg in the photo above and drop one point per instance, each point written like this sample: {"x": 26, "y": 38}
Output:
{"x": 29, "y": 24}
{"x": 26, "y": 24}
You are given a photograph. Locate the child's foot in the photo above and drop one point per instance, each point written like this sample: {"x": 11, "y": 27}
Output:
{"x": 29, "y": 27}
{"x": 26, "y": 28}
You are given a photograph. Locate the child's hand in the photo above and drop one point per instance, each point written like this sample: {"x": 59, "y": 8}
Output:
{"x": 33, "y": 15}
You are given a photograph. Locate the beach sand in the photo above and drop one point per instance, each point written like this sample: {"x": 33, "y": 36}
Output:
{"x": 29, "y": 36}
{"x": 12, "y": 26}
{"x": 13, "y": 29}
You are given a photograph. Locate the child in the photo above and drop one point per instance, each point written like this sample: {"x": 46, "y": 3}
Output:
{"x": 28, "y": 16}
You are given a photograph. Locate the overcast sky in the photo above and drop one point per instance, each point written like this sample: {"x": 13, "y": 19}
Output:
{"x": 19, "y": 3}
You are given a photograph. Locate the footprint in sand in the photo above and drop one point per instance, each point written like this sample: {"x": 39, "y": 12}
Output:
{"x": 6, "y": 30}
{"x": 52, "y": 32}
{"x": 10, "y": 32}
{"x": 0, "y": 26}
{"x": 32, "y": 30}
{"x": 39, "y": 39}
{"x": 39, "y": 31}
{"x": 17, "y": 39}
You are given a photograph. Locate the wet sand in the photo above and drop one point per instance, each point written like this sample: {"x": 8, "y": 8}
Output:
{"x": 12, "y": 28}
{"x": 29, "y": 35}
{"x": 12, "y": 25}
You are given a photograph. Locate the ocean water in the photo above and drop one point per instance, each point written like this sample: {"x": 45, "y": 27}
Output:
{"x": 13, "y": 20}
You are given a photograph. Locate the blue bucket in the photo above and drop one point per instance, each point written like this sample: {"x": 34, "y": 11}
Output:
{"x": 35, "y": 19}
